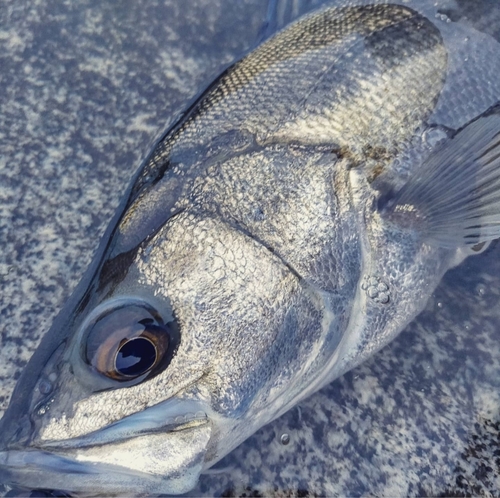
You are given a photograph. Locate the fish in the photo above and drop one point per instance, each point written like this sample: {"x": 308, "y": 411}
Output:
{"x": 291, "y": 223}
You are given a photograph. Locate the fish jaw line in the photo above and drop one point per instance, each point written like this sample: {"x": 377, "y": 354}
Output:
{"x": 172, "y": 415}
{"x": 159, "y": 450}
{"x": 112, "y": 469}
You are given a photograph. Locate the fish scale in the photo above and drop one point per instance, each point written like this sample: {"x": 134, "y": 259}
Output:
{"x": 292, "y": 223}
{"x": 279, "y": 101}
{"x": 248, "y": 95}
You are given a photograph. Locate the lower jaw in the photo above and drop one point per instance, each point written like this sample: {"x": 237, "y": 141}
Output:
{"x": 157, "y": 463}
{"x": 43, "y": 470}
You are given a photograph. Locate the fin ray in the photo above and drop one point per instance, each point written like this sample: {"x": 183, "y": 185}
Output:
{"x": 456, "y": 192}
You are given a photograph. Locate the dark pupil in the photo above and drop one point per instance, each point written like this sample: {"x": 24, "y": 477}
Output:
{"x": 135, "y": 357}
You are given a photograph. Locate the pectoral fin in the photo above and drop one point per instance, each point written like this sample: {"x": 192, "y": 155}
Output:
{"x": 454, "y": 199}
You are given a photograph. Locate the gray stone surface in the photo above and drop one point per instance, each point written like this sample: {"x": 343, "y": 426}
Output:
{"x": 84, "y": 90}
{"x": 85, "y": 87}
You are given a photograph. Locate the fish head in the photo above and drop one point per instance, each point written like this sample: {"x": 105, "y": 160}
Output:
{"x": 163, "y": 365}
{"x": 199, "y": 323}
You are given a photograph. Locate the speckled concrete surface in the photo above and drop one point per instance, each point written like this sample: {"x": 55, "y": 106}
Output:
{"x": 84, "y": 90}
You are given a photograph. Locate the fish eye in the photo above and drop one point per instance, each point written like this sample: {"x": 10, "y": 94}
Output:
{"x": 135, "y": 357}
{"x": 129, "y": 342}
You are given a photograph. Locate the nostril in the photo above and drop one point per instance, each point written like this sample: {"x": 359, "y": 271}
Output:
{"x": 44, "y": 386}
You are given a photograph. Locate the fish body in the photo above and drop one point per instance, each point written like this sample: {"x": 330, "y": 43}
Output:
{"x": 294, "y": 221}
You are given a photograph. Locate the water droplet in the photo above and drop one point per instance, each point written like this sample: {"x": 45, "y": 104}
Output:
{"x": 466, "y": 39}
{"x": 443, "y": 17}
{"x": 439, "y": 304}
{"x": 481, "y": 289}
{"x": 42, "y": 410}
{"x": 44, "y": 407}
{"x": 466, "y": 59}
{"x": 383, "y": 298}
{"x": 433, "y": 135}
{"x": 285, "y": 439}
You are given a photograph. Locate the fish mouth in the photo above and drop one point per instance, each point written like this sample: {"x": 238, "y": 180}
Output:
{"x": 144, "y": 453}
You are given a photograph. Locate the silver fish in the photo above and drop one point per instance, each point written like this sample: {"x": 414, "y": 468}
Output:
{"x": 290, "y": 225}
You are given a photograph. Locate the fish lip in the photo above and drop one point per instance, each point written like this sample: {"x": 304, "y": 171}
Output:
{"x": 170, "y": 416}
{"x": 41, "y": 469}
{"x": 22, "y": 459}
{"x": 78, "y": 466}
{"x": 17, "y": 466}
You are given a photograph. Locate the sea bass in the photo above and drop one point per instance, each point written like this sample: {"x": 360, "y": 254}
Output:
{"x": 288, "y": 226}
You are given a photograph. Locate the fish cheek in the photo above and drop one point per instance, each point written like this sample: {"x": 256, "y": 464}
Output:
{"x": 232, "y": 296}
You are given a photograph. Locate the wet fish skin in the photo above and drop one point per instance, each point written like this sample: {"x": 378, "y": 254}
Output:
{"x": 254, "y": 226}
